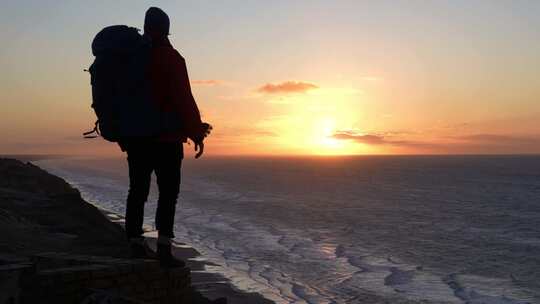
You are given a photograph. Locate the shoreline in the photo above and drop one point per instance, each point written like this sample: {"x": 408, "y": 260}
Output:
{"x": 42, "y": 212}
{"x": 210, "y": 285}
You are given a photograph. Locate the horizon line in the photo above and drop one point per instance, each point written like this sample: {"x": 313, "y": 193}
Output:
{"x": 37, "y": 156}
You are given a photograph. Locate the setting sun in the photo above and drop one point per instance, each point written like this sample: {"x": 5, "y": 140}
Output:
{"x": 323, "y": 141}
{"x": 311, "y": 119}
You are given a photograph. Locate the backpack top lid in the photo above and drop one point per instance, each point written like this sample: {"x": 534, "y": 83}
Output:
{"x": 118, "y": 39}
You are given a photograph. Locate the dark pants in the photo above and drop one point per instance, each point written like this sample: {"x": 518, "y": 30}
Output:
{"x": 145, "y": 157}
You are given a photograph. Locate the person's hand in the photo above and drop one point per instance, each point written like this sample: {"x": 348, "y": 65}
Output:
{"x": 199, "y": 146}
{"x": 205, "y": 129}
{"x": 203, "y": 132}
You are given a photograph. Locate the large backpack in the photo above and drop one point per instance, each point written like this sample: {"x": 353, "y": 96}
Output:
{"x": 120, "y": 92}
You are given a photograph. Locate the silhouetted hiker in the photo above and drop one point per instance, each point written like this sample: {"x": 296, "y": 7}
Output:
{"x": 170, "y": 89}
{"x": 142, "y": 98}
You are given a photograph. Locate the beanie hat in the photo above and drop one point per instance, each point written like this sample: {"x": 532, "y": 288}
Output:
{"x": 156, "y": 21}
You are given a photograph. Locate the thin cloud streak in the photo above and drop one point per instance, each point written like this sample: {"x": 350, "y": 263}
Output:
{"x": 379, "y": 140}
{"x": 454, "y": 144}
{"x": 287, "y": 87}
{"x": 369, "y": 139}
{"x": 498, "y": 139}
{"x": 207, "y": 82}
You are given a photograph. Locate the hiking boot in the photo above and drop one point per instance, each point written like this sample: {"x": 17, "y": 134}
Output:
{"x": 141, "y": 250}
{"x": 166, "y": 258}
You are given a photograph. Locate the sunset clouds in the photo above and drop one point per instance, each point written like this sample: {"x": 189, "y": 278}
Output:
{"x": 379, "y": 139}
{"x": 471, "y": 143}
{"x": 287, "y": 87}
{"x": 515, "y": 142}
{"x": 207, "y": 82}
{"x": 369, "y": 139}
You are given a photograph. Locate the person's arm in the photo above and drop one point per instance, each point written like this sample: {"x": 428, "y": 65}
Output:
{"x": 184, "y": 102}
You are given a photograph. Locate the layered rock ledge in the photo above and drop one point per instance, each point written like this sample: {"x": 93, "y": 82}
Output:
{"x": 56, "y": 248}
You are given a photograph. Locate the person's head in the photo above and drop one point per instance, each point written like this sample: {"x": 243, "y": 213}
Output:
{"x": 156, "y": 23}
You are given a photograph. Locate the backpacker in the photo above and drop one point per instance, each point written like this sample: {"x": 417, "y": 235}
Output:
{"x": 120, "y": 93}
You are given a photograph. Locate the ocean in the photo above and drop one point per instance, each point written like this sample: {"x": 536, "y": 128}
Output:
{"x": 438, "y": 229}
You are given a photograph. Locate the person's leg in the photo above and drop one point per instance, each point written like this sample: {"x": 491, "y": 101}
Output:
{"x": 168, "y": 166}
{"x": 140, "y": 171}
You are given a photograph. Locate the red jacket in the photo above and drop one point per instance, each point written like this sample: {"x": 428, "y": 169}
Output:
{"x": 171, "y": 90}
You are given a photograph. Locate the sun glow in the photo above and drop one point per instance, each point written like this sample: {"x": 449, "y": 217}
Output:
{"x": 324, "y": 143}
{"x": 310, "y": 121}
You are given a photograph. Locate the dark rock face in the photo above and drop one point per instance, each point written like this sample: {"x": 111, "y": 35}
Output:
{"x": 58, "y": 278}
{"x": 41, "y": 212}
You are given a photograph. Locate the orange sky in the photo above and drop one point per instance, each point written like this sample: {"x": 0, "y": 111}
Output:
{"x": 308, "y": 77}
